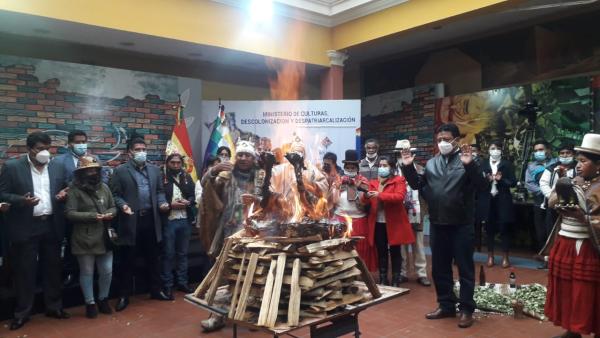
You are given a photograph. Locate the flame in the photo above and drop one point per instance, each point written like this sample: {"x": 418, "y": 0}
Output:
{"x": 298, "y": 210}
{"x": 348, "y": 232}
{"x": 321, "y": 210}
{"x": 288, "y": 82}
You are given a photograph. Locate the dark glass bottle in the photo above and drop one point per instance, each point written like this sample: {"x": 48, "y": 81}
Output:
{"x": 512, "y": 279}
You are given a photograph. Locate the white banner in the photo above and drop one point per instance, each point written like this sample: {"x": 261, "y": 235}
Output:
{"x": 323, "y": 125}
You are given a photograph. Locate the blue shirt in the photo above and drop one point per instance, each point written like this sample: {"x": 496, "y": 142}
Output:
{"x": 534, "y": 173}
{"x": 143, "y": 183}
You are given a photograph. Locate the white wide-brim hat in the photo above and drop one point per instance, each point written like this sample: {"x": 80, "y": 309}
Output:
{"x": 590, "y": 144}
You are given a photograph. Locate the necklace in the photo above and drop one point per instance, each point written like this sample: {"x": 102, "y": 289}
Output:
{"x": 586, "y": 184}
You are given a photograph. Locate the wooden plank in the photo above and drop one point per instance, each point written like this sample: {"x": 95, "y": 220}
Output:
{"x": 274, "y": 303}
{"x": 210, "y": 296}
{"x": 236, "y": 288}
{"x": 366, "y": 276}
{"x": 340, "y": 254}
{"x": 349, "y": 273}
{"x": 295, "y": 295}
{"x": 241, "y": 308}
{"x": 260, "y": 269}
{"x": 266, "y": 297}
{"x": 331, "y": 270}
{"x": 323, "y": 245}
{"x": 314, "y": 238}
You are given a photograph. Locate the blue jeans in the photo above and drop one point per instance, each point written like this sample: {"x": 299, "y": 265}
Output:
{"x": 176, "y": 241}
{"x": 86, "y": 275}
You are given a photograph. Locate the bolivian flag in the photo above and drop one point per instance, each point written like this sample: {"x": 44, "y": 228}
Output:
{"x": 180, "y": 143}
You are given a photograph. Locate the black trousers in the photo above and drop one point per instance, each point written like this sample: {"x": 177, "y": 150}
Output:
{"x": 383, "y": 247}
{"x": 453, "y": 242}
{"x": 44, "y": 249}
{"x": 493, "y": 227}
{"x": 149, "y": 249}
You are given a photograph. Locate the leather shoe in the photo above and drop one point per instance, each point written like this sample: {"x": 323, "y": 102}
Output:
{"x": 184, "y": 288}
{"x": 424, "y": 281}
{"x": 122, "y": 303}
{"x": 161, "y": 295}
{"x": 465, "y": 320}
{"x": 18, "y": 323}
{"x": 58, "y": 314}
{"x": 439, "y": 314}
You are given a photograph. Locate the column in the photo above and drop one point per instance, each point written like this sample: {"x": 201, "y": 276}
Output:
{"x": 332, "y": 81}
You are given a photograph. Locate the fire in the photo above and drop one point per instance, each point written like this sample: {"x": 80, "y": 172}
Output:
{"x": 321, "y": 209}
{"x": 298, "y": 210}
{"x": 348, "y": 232}
{"x": 288, "y": 82}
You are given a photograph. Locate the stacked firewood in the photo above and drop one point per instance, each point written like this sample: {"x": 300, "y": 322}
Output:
{"x": 275, "y": 281}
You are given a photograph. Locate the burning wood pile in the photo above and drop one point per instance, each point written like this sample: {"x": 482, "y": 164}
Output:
{"x": 274, "y": 281}
{"x": 290, "y": 262}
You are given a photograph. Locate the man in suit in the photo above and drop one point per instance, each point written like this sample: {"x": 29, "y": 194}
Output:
{"x": 139, "y": 195}
{"x": 35, "y": 189}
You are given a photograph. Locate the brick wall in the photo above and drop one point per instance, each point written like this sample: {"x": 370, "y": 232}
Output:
{"x": 414, "y": 122}
{"x": 26, "y": 105}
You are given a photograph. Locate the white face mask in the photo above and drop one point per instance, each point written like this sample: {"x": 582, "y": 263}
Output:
{"x": 43, "y": 156}
{"x": 495, "y": 154}
{"x": 350, "y": 173}
{"x": 566, "y": 160}
{"x": 445, "y": 147}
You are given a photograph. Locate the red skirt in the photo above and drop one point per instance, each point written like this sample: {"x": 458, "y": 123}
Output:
{"x": 360, "y": 227}
{"x": 573, "y": 299}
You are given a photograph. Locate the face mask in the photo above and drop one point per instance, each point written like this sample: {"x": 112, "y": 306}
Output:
{"x": 475, "y": 155}
{"x": 350, "y": 173}
{"x": 173, "y": 171}
{"x": 371, "y": 156}
{"x": 566, "y": 160}
{"x": 139, "y": 157}
{"x": 224, "y": 158}
{"x": 383, "y": 171}
{"x": 539, "y": 156}
{"x": 80, "y": 149}
{"x": 93, "y": 179}
{"x": 445, "y": 147}
{"x": 495, "y": 154}
{"x": 43, "y": 156}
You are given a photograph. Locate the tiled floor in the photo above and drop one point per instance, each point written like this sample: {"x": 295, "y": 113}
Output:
{"x": 402, "y": 317}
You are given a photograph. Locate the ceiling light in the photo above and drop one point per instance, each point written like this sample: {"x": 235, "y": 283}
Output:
{"x": 261, "y": 11}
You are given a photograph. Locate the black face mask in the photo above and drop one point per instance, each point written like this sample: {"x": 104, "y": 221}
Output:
{"x": 326, "y": 167}
{"x": 92, "y": 180}
{"x": 173, "y": 172}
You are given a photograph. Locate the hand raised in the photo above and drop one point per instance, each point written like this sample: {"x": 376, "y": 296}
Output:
{"x": 407, "y": 157}
{"x": 466, "y": 155}
{"x": 223, "y": 166}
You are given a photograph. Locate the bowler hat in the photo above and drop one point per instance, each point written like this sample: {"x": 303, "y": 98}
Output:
{"x": 351, "y": 156}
